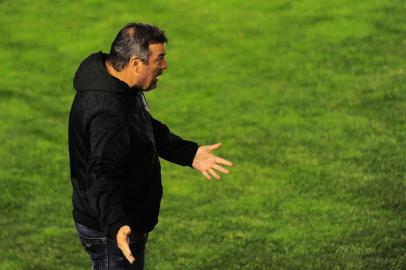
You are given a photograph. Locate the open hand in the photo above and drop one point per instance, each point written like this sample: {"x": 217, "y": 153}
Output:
{"x": 206, "y": 163}
{"x": 123, "y": 242}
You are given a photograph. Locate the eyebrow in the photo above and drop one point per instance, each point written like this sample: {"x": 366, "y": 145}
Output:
{"x": 162, "y": 54}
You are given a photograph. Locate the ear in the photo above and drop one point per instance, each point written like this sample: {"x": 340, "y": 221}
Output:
{"x": 135, "y": 64}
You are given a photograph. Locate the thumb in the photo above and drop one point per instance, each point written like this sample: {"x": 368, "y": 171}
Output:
{"x": 127, "y": 230}
{"x": 214, "y": 146}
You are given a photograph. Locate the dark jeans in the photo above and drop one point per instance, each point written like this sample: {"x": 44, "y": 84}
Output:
{"x": 105, "y": 253}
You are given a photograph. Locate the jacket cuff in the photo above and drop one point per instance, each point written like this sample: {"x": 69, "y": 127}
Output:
{"x": 116, "y": 227}
{"x": 190, "y": 154}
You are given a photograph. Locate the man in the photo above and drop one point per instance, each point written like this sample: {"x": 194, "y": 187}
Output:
{"x": 115, "y": 145}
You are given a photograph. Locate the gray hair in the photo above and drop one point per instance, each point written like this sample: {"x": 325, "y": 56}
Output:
{"x": 133, "y": 40}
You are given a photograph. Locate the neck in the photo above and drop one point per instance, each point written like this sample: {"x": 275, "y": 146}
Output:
{"x": 121, "y": 75}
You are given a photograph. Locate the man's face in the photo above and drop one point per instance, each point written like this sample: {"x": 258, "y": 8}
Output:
{"x": 155, "y": 66}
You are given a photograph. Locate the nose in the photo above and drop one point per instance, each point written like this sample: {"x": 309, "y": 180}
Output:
{"x": 164, "y": 64}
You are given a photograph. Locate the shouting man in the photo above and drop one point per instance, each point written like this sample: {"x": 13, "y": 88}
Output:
{"x": 115, "y": 145}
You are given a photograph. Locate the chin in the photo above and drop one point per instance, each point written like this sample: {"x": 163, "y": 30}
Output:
{"x": 152, "y": 86}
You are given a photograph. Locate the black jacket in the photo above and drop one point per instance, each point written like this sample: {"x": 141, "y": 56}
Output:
{"x": 114, "y": 149}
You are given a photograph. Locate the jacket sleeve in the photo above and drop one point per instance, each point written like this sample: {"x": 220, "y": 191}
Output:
{"x": 172, "y": 147}
{"x": 109, "y": 144}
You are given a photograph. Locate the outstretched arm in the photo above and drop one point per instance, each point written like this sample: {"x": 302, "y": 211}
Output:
{"x": 172, "y": 147}
{"x": 182, "y": 152}
{"x": 208, "y": 164}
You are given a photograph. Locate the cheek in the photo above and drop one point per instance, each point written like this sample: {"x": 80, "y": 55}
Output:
{"x": 153, "y": 74}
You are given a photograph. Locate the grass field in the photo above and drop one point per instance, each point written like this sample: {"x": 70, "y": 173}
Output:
{"x": 307, "y": 97}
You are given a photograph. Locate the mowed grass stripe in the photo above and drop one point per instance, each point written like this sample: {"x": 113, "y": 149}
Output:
{"x": 306, "y": 96}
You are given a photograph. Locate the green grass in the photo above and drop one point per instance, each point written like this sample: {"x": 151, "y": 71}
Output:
{"x": 308, "y": 98}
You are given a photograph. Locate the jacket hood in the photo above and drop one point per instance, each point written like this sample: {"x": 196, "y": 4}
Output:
{"x": 93, "y": 76}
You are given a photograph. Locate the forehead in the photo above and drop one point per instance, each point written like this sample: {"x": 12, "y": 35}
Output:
{"x": 156, "y": 49}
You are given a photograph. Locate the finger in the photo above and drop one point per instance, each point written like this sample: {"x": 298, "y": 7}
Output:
{"x": 220, "y": 169}
{"x": 127, "y": 253}
{"x": 214, "y": 146}
{"x": 206, "y": 175}
{"x": 212, "y": 172}
{"x": 125, "y": 249}
{"x": 130, "y": 258}
{"x": 223, "y": 161}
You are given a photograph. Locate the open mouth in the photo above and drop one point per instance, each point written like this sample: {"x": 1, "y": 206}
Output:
{"x": 157, "y": 77}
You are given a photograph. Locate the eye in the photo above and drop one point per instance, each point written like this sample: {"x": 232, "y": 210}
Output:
{"x": 160, "y": 59}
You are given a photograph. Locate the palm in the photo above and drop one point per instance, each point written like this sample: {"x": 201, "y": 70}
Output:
{"x": 208, "y": 164}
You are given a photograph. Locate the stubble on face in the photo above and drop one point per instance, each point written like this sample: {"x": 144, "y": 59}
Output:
{"x": 155, "y": 66}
